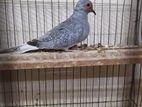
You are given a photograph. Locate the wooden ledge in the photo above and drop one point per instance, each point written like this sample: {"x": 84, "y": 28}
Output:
{"x": 70, "y": 59}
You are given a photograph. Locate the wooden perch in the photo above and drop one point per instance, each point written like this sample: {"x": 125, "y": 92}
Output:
{"x": 38, "y": 60}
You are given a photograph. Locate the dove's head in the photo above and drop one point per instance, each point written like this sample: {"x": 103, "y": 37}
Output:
{"x": 85, "y": 5}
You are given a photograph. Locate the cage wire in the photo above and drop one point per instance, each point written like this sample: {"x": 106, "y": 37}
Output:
{"x": 117, "y": 23}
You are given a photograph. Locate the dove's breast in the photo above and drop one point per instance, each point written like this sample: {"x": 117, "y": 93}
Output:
{"x": 86, "y": 30}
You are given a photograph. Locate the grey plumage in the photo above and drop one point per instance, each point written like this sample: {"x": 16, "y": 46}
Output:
{"x": 70, "y": 32}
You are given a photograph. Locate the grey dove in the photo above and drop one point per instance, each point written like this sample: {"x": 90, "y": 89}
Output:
{"x": 67, "y": 34}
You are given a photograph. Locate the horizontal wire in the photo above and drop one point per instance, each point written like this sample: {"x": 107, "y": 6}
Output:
{"x": 55, "y": 104}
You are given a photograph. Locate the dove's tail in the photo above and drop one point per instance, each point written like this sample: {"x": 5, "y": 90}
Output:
{"x": 19, "y": 49}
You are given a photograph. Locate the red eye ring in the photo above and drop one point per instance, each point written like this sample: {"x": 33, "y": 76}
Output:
{"x": 88, "y": 5}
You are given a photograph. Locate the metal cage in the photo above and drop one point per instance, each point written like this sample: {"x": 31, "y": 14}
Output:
{"x": 117, "y": 23}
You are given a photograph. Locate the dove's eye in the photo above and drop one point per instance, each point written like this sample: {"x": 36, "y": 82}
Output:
{"x": 88, "y": 5}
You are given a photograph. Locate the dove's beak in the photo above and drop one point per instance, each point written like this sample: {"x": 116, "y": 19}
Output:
{"x": 94, "y": 11}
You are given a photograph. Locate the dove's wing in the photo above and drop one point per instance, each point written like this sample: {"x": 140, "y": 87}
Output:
{"x": 63, "y": 36}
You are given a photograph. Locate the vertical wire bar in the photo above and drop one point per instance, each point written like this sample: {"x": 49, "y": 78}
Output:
{"x": 99, "y": 90}
{"x": 1, "y": 89}
{"x": 116, "y": 24}
{"x": 141, "y": 30}
{"x": 140, "y": 11}
{"x": 36, "y": 17}
{"x": 130, "y": 17}
{"x": 4, "y": 92}
{"x": 29, "y": 27}
{"x": 1, "y": 39}
{"x": 80, "y": 85}
{"x": 136, "y": 42}
{"x": 118, "y": 81}
{"x": 66, "y": 87}
{"x": 39, "y": 88}
{"x": 60, "y": 87}
{"x": 52, "y": 13}
{"x": 32, "y": 87}
{"x": 73, "y": 87}
{"x": 19, "y": 99}
{"x": 86, "y": 84}
{"x": 11, "y": 93}
{"x": 123, "y": 92}
{"x": 44, "y": 15}
{"x": 101, "y": 30}
{"x": 58, "y": 11}
{"x": 6, "y": 23}
{"x": 112, "y": 86}
{"x": 141, "y": 102}
{"x": 141, "y": 95}
{"x": 21, "y": 11}
{"x": 16, "y": 91}
{"x": 139, "y": 86}
{"x": 87, "y": 40}
{"x": 13, "y": 13}
{"x": 53, "y": 86}
{"x": 93, "y": 86}
{"x": 26, "y": 87}
{"x": 45, "y": 86}
{"x": 141, "y": 20}
{"x": 109, "y": 22}
{"x": 132, "y": 88}
{"x": 122, "y": 17}
{"x": 106, "y": 87}
{"x": 66, "y": 9}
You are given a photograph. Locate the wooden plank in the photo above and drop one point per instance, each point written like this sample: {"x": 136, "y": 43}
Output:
{"x": 70, "y": 59}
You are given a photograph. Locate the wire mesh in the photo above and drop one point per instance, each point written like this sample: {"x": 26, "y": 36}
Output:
{"x": 107, "y": 86}
{"x": 118, "y": 22}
